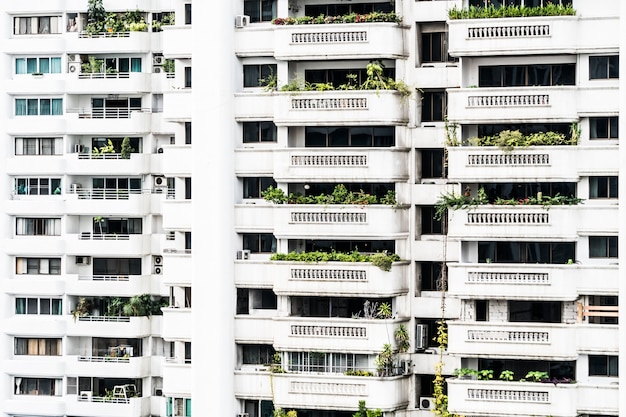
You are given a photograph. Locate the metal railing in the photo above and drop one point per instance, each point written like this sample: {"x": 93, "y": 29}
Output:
{"x": 107, "y": 113}
{"x": 103, "y": 75}
{"x": 103, "y": 236}
{"x": 123, "y": 278}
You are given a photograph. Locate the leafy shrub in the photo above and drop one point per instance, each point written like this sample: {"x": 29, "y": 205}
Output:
{"x": 383, "y": 260}
{"x": 347, "y": 18}
{"x": 492, "y": 12}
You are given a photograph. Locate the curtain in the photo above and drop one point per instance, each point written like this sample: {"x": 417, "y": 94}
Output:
{"x": 135, "y": 65}
{"x": 20, "y": 266}
{"x": 31, "y": 65}
{"x": 44, "y": 65}
{"x": 57, "y": 106}
{"x": 20, "y": 107}
{"x": 44, "y": 107}
{"x": 168, "y": 406}
{"x": 20, "y": 306}
{"x": 57, "y": 307}
{"x": 20, "y": 66}
{"x": 187, "y": 406}
{"x": 55, "y": 65}
{"x": 32, "y": 106}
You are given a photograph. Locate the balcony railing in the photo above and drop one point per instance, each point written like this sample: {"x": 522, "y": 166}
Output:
{"x": 112, "y": 359}
{"x": 104, "y": 193}
{"x": 83, "y": 35}
{"x": 103, "y": 236}
{"x": 103, "y": 75}
{"x": 109, "y": 319}
{"x": 107, "y": 113}
{"x": 101, "y": 156}
{"x": 118, "y": 278}
{"x": 85, "y": 398}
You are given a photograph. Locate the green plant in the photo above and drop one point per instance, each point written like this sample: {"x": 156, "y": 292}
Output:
{"x": 460, "y": 372}
{"x": 358, "y": 372}
{"x": 383, "y": 260}
{"x": 169, "y": 66}
{"x": 96, "y": 15}
{"x": 375, "y": 16}
{"x": 401, "y": 335}
{"x": 269, "y": 82}
{"x": 108, "y": 148}
{"x": 536, "y": 376}
{"x": 485, "y": 374}
{"x": 365, "y": 412}
{"x": 384, "y": 311}
{"x": 126, "y": 149}
{"x": 503, "y": 11}
{"x": 506, "y": 375}
{"x": 82, "y": 309}
{"x": 384, "y": 361}
{"x": 279, "y": 412}
{"x": 389, "y": 198}
{"x": 92, "y": 66}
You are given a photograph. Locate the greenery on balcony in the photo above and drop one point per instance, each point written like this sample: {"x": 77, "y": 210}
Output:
{"x": 508, "y": 375}
{"x": 510, "y": 139}
{"x": 346, "y": 18}
{"x": 101, "y": 21}
{"x": 167, "y": 19}
{"x": 340, "y": 195}
{"x": 375, "y": 81}
{"x": 383, "y": 260}
{"x": 493, "y": 12}
{"x": 137, "y": 305}
{"x": 455, "y": 201}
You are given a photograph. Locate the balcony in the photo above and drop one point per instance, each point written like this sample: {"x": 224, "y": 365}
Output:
{"x": 315, "y": 221}
{"x": 101, "y": 406}
{"x": 114, "y": 202}
{"x": 108, "y": 83}
{"x": 108, "y": 43}
{"x": 177, "y": 41}
{"x": 338, "y": 392}
{"x": 530, "y": 281}
{"x": 339, "y": 41}
{"x": 334, "y": 334}
{"x": 108, "y": 244}
{"x": 320, "y": 108}
{"x": 530, "y": 35}
{"x": 530, "y": 222}
{"x": 177, "y": 214}
{"x": 519, "y": 340}
{"x": 345, "y": 164}
{"x": 471, "y": 397}
{"x": 109, "y": 367}
{"x": 537, "y": 163}
{"x": 177, "y": 378}
{"x": 254, "y": 329}
{"x": 113, "y": 326}
{"x": 338, "y": 278}
{"x": 105, "y": 163}
{"x": 528, "y": 104}
{"x": 108, "y": 285}
{"x": 114, "y": 121}
{"x": 176, "y": 323}
{"x": 598, "y": 398}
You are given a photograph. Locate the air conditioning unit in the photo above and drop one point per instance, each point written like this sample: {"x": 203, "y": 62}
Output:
{"x": 78, "y": 148}
{"x": 86, "y": 395}
{"x": 83, "y": 260}
{"x": 427, "y": 403}
{"x": 157, "y": 270}
{"x": 157, "y": 69}
{"x": 73, "y": 58}
{"x": 158, "y": 60}
{"x": 157, "y": 260}
{"x": 160, "y": 150}
{"x": 243, "y": 254}
{"x": 158, "y": 392}
{"x": 421, "y": 337}
{"x": 160, "y": 181}
{"x": 73, "y": 67}
{"x": 242, "y": 21}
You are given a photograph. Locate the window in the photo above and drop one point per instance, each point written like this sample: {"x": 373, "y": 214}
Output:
{"x": 187, "y": 77}
{"x": 527, "y": 3}
{"x": 253, "y": 186}
{"x": 116, "y": 266}
{"x": 37, "y": 186}
{"x": 342, "y": 9}
{"x": 187, "y": 133}
{"x": 131, "y": 185}
{"x": 37, "y": 347}
{"x": 603, "y": 365}
{"x": 177, "y": 407}
{"x": 433, "y": 106}
{"x": 603, "y": 246}
{"x": 430, "y": 226}
{"x": 434, "y": 43}
{"x": 34, "y": 65}
{"x": 38, "y": 386}
{"x": 26, "y": 226}
{"x": 526, "y": 252}
{"x": 243, "y": 301}
{"x": 258, "y": 75}
{"x": 526, "y": 75}
{"x": 38, "y": 266}
{"x": 123, "y": 65}
{"x": 346, "y": 136}
{"x": 264, "y": 300}
{"x": 603, "y": 187}
{"x": 36, "y": 25}
{"x": 259, "y": 242}
{"x": 38, "y": 146}
{"x": 368, "y": 246}
{"x": 121, "y": 226}
{"x": 257, "y": 354}
{"x": 481, "y": 309}
{"x": 187, "y": 352}
{"x": 99, "y": 142}
{"x": 335, "y": 362}
{"x": 187, "y": 13}
{"x": 337, "y": 77}
{"x": 187, "y": 188}
{"x": 38, "y": 106}
{"x": 603, "y": 127}
{"x": 535, "y": 311}
{"x": 430, "y": 274}
{"x": 114, "y": 108}
{"x": 254, "y": 132}
{"x": 604, "y": 315}
{"x": 603, "y": 67}
{"x": 40, "y": 306}
{"x": 432, "y": 163}
{"x": 260, "y": 10}
{"x": 188, "y": 241}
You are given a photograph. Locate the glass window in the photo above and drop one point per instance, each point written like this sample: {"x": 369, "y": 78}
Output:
{"x": 260, "y": 10}
{"x": 253, "y": 186}
{"x": 259, "y": 242}
{"x": 603, "y": 67}
{"x": 603, "y": 127}
{"x": 603, "y": 187}
{"x": 603, "y": 365}
{"x": 535, "y": 311}
{"x": 603, "y": 246}
{"x": 433, "y": 106}
{"x": 187, "y": 13}
{"x": 258, "y": 75}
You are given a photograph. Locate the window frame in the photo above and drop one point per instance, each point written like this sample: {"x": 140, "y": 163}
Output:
{"x": 610, "y": 184}
{"x": 603, "y": 67}
{"x": 611, "y": 364}
{"x": 608, "y": 124}
{"x": 35, "y": 106}
{"x": 261, "y": 72}
{"x": 434, "y": 106}
{"x": 603, "y": 247}
{"x": 261, "y": 131}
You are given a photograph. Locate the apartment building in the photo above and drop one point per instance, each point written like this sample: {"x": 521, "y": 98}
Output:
{"x": 96, "y": 178}
{"x": 478, "y": 154}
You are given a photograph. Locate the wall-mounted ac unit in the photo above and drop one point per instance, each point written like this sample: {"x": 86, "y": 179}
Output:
{"x": 243, "y": 254}
{"x": 421, "y": 337}
{"x": 242, "y": 21}
{"x": 160, "y": 181}
{"x": 158, "y": 60}
{"x": 157, "y": 260}
{"x": 73, "y": 58}
{"x": 160, "y": 150}
{"x": 86, "y": 395}
{"x": 78, "y": 148}
{"x": 158, "y": 392}
{"x": 157, "y": 270}
{"x": 73, "y": 67}
{"x": 427, "y": 403}
{"x": 157, "y": 69}
{"x": 83, "y": 260}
